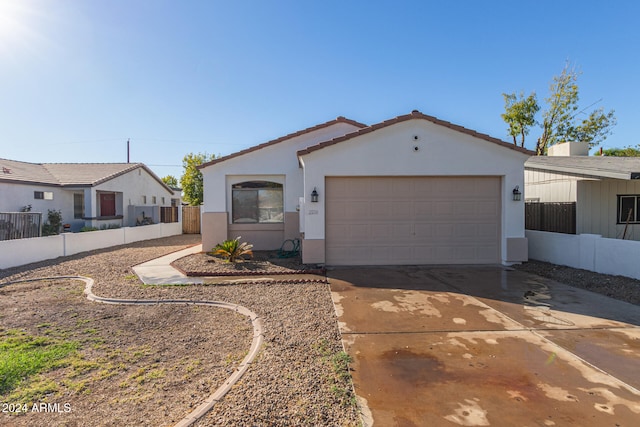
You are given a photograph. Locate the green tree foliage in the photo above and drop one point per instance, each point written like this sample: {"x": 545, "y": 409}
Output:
{"x": 622, "y": 152}
{"x": 560, "y": 120}
{"x": 170, "y": 180}
{"x": 520, "y": 114}
{"x": 191, "y": 179}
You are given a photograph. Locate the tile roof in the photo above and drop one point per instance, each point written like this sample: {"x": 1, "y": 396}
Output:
{"x": 14, "y": 171}
{"x": 415, "y": 114}
{"x": 339, "y": 119}
{"x": 626, "y": 168}
{"x": 66, "y": 174}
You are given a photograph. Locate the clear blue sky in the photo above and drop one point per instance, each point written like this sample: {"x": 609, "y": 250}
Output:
{"x": 79, "y": 77}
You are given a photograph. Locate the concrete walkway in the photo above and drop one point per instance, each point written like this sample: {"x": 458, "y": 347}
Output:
{"x": 160, "y": 272}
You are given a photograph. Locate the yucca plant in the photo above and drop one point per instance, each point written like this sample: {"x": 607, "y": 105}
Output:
{"x": 233, "y": 249}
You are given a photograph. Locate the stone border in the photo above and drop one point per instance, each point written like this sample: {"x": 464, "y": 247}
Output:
{"x": 256, "y": 342}
{"x": 316, "y": 271}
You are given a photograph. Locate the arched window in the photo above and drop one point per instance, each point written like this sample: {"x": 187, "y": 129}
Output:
{"x": 257, "y": 202}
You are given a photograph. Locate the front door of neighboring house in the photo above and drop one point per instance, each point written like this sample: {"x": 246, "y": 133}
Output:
{"x": 107, "y": 204}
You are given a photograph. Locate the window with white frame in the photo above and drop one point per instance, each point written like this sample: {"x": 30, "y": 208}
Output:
{"x": 257, "y": 202}
{"x": 43, "y": 195}
{"x": 628, "y": 209}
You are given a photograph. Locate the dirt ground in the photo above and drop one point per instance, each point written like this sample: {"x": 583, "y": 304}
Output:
{"x": 152, "y": 365}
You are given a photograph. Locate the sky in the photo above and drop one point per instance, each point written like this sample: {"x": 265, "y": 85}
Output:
{"x": 78, "y": 78}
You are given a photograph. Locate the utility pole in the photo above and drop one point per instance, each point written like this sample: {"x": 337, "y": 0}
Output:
{"x": 128, "y": 150}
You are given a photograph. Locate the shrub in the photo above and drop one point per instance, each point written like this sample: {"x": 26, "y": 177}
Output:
{"x": 233, "y": 249}
{"x": 86, "y": 228}
{"x": 53, "y": 224}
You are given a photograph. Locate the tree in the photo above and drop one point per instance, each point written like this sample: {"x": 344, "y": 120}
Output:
{"x": 191, "y": 179}
{"x": 622, "y": 152}
{"x": 520, "y": 114}
{"x": 559, "y": 120}
{"x": 170, "y": 181}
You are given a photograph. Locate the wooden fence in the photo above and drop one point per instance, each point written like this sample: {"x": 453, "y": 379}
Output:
{"x": 20, "y": 225}
{"x": 168, "y": 214}
{"x": 553, "y": 217}
{"x": 191, "y": 219}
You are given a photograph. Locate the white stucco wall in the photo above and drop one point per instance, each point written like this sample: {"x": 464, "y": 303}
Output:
{"x": 391, "y": 151}
{"x": 586, "y": 251}
{"x": 277, "y": 160}
{"x": 24, "y": 251}
{"x": 278, "y": 163}
{"x": 13, "y": 197}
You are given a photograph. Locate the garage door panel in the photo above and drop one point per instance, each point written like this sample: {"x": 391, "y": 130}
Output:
{"x": 358, "y": 232}
{"x": 412, "y": 220}
{"x": 336, "y": 232}
{"x": 402, "y": 210}
{"x": 423, "y": 231}
{"x": 487, "y": 208}
{"x": 381, "y": 209}
{"x": 401, "y": 232}
{"x": 423, "y": 209}
{"x": 356, "y": 211}
{"x": 443, "y": 209}
{"x": 424, "y": 252}
{"x": 488, "y": 231}
{"x": 444, "y": 231}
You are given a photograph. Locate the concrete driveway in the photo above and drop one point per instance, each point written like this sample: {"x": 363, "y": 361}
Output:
{"x": 486, "y": 346}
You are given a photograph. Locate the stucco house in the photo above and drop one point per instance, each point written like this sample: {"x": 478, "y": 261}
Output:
{"x": 410, "y": 190}
{"x": 87, "y": 194}
{"x": 605, "y": 190}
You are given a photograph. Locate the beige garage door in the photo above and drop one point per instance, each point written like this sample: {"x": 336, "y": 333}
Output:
{"x": 412, "y": 220}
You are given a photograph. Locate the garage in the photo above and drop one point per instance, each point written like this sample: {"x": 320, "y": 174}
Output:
{"x": 413, "y": 220}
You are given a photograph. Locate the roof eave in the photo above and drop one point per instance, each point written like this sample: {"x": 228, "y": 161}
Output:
{"x": 415, "y": 114}
{"x": 338, "y": 120}
{"x": 626, "y": 176}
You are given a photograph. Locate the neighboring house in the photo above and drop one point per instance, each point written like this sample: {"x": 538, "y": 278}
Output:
{"x": 606, "y": 190}
{"x": 87, "y": 194}
{"x": 410, "y": 190}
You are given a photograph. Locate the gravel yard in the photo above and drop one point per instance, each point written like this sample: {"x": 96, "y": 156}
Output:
{"x": 153, "y": 365}
{"x": 618, "y": 287}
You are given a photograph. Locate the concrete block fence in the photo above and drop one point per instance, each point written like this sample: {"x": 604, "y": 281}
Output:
{"x": 586, "y": 251}
{"x": 24, "y": 251}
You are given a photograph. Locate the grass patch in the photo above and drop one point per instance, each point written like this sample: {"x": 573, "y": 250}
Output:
{"x": 341, "y": 386}
{"x": 23, "y": 356}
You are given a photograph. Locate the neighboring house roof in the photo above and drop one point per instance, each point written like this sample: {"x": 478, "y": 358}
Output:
{"x": 339, "y": 119}
{"x": 67, "y": 174}
{"x": 626, "y": 168}
{"x": 415, "y": 114}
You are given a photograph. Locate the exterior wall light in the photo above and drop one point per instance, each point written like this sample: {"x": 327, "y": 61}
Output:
{"x": 314, "y": 196}
{"x": 517, "y": 195}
